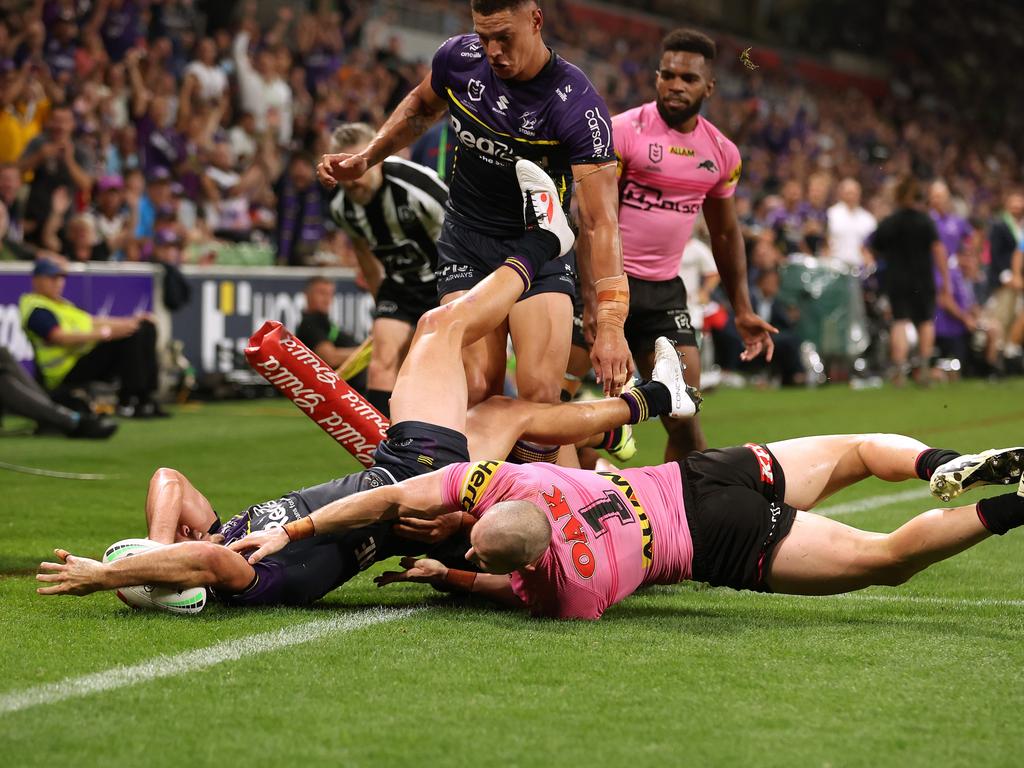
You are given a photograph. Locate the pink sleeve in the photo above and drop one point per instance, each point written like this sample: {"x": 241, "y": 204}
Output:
{"x": 622, "y": 138}
{"x": 451, "y": 484}
{"x": 731, "y": 167}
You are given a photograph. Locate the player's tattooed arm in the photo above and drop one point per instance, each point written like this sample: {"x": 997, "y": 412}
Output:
{"x": 411, "y": 119}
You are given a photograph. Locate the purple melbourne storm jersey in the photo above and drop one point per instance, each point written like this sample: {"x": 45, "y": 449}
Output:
{"x": 556, "y": 120}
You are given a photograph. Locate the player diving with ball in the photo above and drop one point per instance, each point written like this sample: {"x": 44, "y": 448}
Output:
{"x": 430, "y": 429}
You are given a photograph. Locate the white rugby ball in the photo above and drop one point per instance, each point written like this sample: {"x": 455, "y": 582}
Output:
{"x": 186, "y": 601}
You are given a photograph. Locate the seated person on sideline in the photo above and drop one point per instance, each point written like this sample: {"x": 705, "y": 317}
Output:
{"x": 431, "y": 386}
{"x": 74, "y": 348}
{"x": 21, "y": 396}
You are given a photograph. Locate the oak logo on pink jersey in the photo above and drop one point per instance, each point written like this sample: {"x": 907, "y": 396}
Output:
{"x": 573, "y": 532}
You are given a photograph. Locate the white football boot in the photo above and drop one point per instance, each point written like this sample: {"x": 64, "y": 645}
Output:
{"x": 668, "y": 369}
{"x": 541, "y": 206}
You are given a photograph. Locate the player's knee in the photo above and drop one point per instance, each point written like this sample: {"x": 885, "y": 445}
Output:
{"x": 537, "y": 389}
{"x": 165, "y": 474}
{"x": 436, "y": 320}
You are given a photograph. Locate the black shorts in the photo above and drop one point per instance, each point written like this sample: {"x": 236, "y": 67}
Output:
{"x": 911, "y": 302}
{"x": 737, "y": 514}
{"x": 405, "y": 302}
{"x": 578, "y": 339}
{"x": 414, "y": 448}
{"x": 465, "y": 257}
{"x": 657, "y": 308}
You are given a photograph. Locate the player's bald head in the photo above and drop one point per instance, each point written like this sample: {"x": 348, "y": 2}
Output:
{"x": 511, "y": 535}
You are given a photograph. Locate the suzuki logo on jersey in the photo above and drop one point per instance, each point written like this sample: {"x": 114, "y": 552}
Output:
{"x": 492, "y": 149}
{"x": 502, "y": 105}
{"x": 563, "y": 94}
{"x": 599, "y": 132}
{"x": 475, "y": 89}
{"x": 655, "y": 151}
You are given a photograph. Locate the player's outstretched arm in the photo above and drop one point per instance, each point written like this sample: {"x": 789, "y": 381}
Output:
{"x": 427, "y": 571}
{"x": 410, "y": 120}
{"x": 178, "y": 566}
{"x": 731, "y": 258}
{"x": 598, "y": 198}
{"x": 417, "y": 497}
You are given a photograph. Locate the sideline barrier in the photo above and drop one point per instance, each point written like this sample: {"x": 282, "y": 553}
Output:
{"x": 296, "y": 371}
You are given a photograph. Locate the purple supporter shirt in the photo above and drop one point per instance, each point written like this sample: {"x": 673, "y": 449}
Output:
{"x": 963, "y": 294}
{"x": 952, "y": 229}
{"x": 556, "y": 120}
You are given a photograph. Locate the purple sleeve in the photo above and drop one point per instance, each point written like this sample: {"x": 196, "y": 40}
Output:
{"x": 266, "y": 587}
{"x": 42, "y": 322}
{"x": 439, "y": 65}
{"x": 585, "y": 127}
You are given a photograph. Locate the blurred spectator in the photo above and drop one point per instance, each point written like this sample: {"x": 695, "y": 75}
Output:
{"x": 786, "y": 361}
{"x": 959, "y": 321}
{"x": 12, "y": 201}
{"x": 73, "y": 348}
{"x": 261, "y": 87}
{"x": 114, "y": 218}
{"x": 953, "y": 229}
{"x": 80, "y": 243}
{"x": 795, "y": 223}
{"x": 300, "y": 212}
{"x": 909, "y": 246}
{"x": 21, "y": 396}
{"x": 849, "y": 226}
{"x": 1006, "y": 264}
{"x": 24, "y": 106}
{"x": 204, "y": 78}
{"x": 54, "y": 160}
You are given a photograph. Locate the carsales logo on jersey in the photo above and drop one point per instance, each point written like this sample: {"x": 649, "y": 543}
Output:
{"x": 599, "y": 132}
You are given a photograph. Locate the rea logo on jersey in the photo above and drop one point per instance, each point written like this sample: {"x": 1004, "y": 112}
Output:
{"x": 600, "y": 134}
{"x": 492, "y": 148}
{"x": 475, "y": 89}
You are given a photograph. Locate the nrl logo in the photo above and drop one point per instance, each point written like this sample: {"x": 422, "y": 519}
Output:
{"x": 655, "y": 151}
{"x": 475, "y": 89}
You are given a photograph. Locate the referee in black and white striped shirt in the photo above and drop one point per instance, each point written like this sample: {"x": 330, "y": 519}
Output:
{"x": 393, "y": 214}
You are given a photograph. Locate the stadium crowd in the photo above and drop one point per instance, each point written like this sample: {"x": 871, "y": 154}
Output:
{"x": 180, "y": 131}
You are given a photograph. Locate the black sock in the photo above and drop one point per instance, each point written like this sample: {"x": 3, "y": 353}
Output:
{"x": 531, "y": 252}
{"x": 648, "y": 400}
{"x": 931, "y": 459}
{"x": 611, "y": 438}
{"x": 380, "y": 400}
{"x": 1001, "y": 513}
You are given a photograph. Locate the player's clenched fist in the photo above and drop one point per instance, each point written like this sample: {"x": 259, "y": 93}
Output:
{"x": 333, "y": 168}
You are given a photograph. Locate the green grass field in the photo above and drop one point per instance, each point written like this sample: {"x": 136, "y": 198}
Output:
{"x": 930, "y": 674}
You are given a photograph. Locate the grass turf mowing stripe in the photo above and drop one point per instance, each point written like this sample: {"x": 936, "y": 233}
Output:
{"x": 873, "y": 502}
{"x": 188, "y": 661}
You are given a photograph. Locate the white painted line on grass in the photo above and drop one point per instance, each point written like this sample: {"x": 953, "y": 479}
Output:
{"x": 856, "y": 597}
{"x": 189, "y": 661}
{"x": 873, "y": 502}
